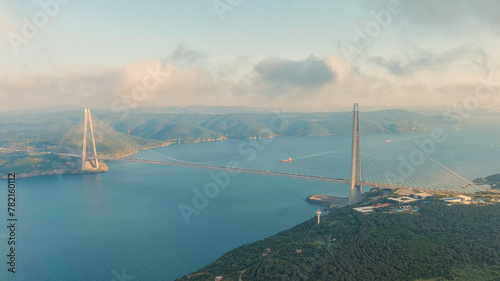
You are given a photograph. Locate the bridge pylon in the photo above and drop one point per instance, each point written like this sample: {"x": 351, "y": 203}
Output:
{"x": 355, "y": 191}
{"x": 87, "y": 121}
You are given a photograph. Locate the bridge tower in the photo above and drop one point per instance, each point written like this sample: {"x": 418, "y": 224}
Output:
{"x": 87, "y": 121}
{"x": 355, "y": 192}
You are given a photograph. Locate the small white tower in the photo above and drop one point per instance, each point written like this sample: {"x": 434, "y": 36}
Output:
{"x": 319, "y": 213}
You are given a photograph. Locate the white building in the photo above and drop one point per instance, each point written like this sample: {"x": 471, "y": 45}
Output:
{"x": 452, "y": 200}
{"x": 422, "y": 195}
{"x": 364, "y": 210}
{"x": 464, "y": 198}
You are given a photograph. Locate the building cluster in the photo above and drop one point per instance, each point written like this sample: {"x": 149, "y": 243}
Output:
{"x": 405, "y": 196}
{"x": 459, "y": 199}
{"x": 467, "y": 200}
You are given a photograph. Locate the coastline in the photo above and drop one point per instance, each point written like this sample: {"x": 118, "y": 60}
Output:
{"x": 72, "y": 172}
{"x": 178, "y": 141}
{"x": 52, "y": 173}
{"x": 104, "y": 168}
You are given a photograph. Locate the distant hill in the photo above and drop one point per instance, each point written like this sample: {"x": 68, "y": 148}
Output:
{"x": 189, "y": 127}
{"x": 45, "y": 129}
{"x": 436, "y": 243}
{"x": 200, "y": 109}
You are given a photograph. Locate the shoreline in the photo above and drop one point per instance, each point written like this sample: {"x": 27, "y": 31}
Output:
{"x": 58, "y": 172}
{"x": 165, "y": 143}
{"x": 52, "y": 173}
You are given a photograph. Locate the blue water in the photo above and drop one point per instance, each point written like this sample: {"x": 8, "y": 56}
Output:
{"x": 127, "y": 221}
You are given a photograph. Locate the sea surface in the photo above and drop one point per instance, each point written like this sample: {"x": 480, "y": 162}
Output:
{"x": 126, "y": 224}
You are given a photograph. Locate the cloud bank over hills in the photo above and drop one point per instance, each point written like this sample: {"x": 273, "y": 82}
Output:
{"x": 427, "y": 53}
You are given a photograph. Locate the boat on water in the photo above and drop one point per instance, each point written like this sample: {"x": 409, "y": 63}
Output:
{"x": 389, "y": 140}
{"x": 287, "y": 160}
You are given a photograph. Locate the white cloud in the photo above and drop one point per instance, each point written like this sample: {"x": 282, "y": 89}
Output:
{"x": 309, "y": 83}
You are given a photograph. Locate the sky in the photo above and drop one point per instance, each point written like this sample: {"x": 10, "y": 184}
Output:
{"x": 307, "y": 55}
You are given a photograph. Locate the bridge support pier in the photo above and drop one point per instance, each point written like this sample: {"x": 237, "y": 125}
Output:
{"x": 355, "y": 191}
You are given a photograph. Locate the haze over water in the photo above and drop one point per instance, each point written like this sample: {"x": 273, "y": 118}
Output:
{"x": 91, "y": 227}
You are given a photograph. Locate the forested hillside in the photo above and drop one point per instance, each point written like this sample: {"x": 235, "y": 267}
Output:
{"x": 44, "y": 130}
{"x": 26, "y": 164}
{"x": 443, "y": 242}
{"x": 196, "y": 127}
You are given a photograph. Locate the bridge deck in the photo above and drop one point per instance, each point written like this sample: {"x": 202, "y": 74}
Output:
{"x": 277, "y": 174}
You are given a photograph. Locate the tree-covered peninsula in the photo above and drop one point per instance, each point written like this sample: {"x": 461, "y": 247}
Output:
{"x": 438, "y": 242}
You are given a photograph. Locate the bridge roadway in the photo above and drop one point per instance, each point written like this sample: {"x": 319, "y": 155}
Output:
{"x": 269, "y": 173}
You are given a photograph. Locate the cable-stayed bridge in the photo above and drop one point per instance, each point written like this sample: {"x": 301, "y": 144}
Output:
{"x": 372, "y": 160}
